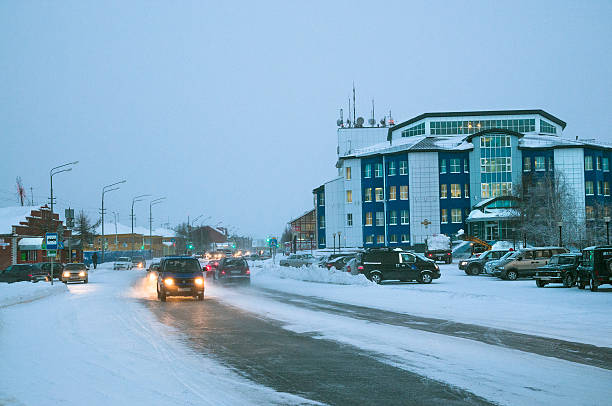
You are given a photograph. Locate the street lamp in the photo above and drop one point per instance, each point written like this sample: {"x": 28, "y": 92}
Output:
{"x": 151, "y": 204}
{"x": 106, "y": 189}
{"x": 607, "y": 220}
{"x": 134, "y": 200}
{"x": 560, "y": 225}
{"x": 334, "y": 243}
{"x": 52, "y": 172}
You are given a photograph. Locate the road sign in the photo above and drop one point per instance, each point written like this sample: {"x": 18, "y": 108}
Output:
{"x": 60, "y": 245}
{"x": 273, "y": 242}
{"x": 51, "y": 253}
{"x": 51, "y": 241}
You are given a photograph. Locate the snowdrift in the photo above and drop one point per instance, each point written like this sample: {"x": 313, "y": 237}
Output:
{"x": 21, "y": 292}
{"x": 308, "y": 274}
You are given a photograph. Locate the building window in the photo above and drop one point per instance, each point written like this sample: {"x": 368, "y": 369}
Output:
{"x": 404, "y": 218}
{"x": 321, "y": 221}
{"x": 380, "y": 218}
{"x": 455, "y": 165}
{"x": 472, "y": 127}
{"x": 466, "y": 167}
{"x": 606, "y": 188}
{"x": 403, "y": 167}
{"x": 404, "y": 192}
{"x": 405, "y": 238}
{"x": 367, "y": 171}
{"x": 605, "y": 163}
{"x": 368, "y": 218}
{"x": 444, "y": 216}
{"x": 551, "y": 165}
{"x": 598, "y": 162}
{"x": 321, "y": 199}
{"x": 588, "y": 188}
{"x": 392, "y": 192}
{"x": 392, "y": 168}
{"x": 348, "y": 173}
{"x": 588, "y": 163}
{"x": 590, "y": 213}
{"x": 455, "y": 191}
{"x": 495, "y": 165}
{"x": 443, "y": 191}
{"x": 540, "y": 163}
{"x": 349, "y": 219}
{"x": 379, "y": 195}
{"x": 546, "y": 127}
{"x": 456, "y": 215}
{"x": 370, "y": 239}
{"x": 466, "y": 191}
{"x": 599, "y": 187}
{"x": 380, "y": 239}
{"x": 393, "y": 238}
{"x": 418, "y": 129}
{"x": 443, "y": 166}
{"x": 526, "y": 164}
{"x": 393, "y": 218}
{"x": 378, "y": 169}
{"x": 367, "y": 196}
{"x": 349, "y": 196}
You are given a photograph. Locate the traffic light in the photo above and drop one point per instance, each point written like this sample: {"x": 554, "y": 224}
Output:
{"x": 190, "y": 246}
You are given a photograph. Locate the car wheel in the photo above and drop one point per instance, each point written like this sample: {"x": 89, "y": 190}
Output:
{"x": 594, "y": 285}
{"x": 511, "y": 275}
{"x": 540, "y": 283}
{"x": 162, "y": 296}
{"x": 568, "y": 281}
{"x": 86, "y": 280}
{"x": 473, "y": 270}
{"x": 581, "y": 285}
{"x": 425, "y": 277}
{"x": 376, "y": 277}
{"x": 200, "y": 297}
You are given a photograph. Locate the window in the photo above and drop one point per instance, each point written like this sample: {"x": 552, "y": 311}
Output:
{"x": 456, "y": 215}
{"x": 455, "y": 191}
{"x": 606, "y": 189}
{"x": 392, "y": 192}
{"x": 378, "y": 169}
{"x": 546, "y": 127}
{"x": 443, "y": 166}
{"x": 599, "y": 188}
{"x": 349, "y": 196}
{"x": 551, "y": 166}
{"x": 392, "y": 168}
{"x": 495, "y": 165}
{"x": 393, "y": 238}
{"x": 404, "y": 192}
{"x": 367, "y": 171}
{"x": 379, "y": 195}
{"x": 403, "y": 167}
{"x": 466, "y": 191}
{"x": 590, "y": 213}
{"x": 588, "y": 163}
{"x": 321, "y": 199}
{"x": 368, "y": 218}
{"x": 455, "y": 165}
{"x": 605, "y": 164}
{"x": 443, "y": 216}
{"x": 404, "y": 218}
{"x": 393, "y": 218}
{"x": 348, "y": 173}
{"x": 370, "y": 239}
{"x": 321, "y": 221}
{"x": 380, "y": 239}
{"x": 598, "y": 161}
{"x": 349, "y": 219}
{"x": 526, "y": 164}
{"x": 443, "y": 191}
{"x": 466, "y": 167}
{"x": 418, "y": 129}
{"x": 367, "y": 196}
{"x": 472, "y": 127}
{"x": 380, "y": 218}
{"x": 405, "y": 238}
{"x": 588, "y": 188}
{"x": 540, "y": 163}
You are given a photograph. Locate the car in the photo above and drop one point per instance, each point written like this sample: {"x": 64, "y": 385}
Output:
{"x": 338, "y": 263}
{"x": 524, "y": 262}
{"x": 562, "y": 268}
{"x": 595, "y": 267}
{"x": 490, "y": 266}
{"x": 76, "y": 272}
{"x": 233, "y": 270}
{"x": 210, "y": 267}
{"x": 17, "y": 273}
{"x": 298, "y": 260}
{"x": 139, "y": 262}
{"x": 154, "y": 264}
{"x": 122, "y": 263}
{"x": 45, "y": 267}
{"x": 475, "y": 265}
{"x": 180, "y": 276}
{"x": 394, "y": 264}
{"x": 352, "y": 265}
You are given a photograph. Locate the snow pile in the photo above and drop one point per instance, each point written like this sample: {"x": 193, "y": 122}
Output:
{"x": 21, "y": 292}
{"x": 307, "y": 274}
{"x": 438, "y": 242}
{"x": 506, "y": 245}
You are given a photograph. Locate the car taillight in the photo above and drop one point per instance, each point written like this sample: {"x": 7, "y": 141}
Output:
{"x": 448, "y": 253}
{"x": 208, "y": 267}
{"x": 222, "y": 272}
{"x": 430, "y": 255}
{"x": 360, "y": 267}
{"x": 248, "y": 271}
{"x": 30, "y": 275}
{"x": 348, "y": 268}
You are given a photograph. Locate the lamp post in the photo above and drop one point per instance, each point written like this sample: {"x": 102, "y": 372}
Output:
{"x": 115, "y": 215}
{"x": 53, "y": 172}
{"x": 560, "y": 225}
{"x": 607, "y": 220}
{"x": 106, "y": 189}
{"x": 339, "y": 241}
{"x": 134, "y": 200}
{"x": 334, "y": 243}
{"x": 151, "y": 204}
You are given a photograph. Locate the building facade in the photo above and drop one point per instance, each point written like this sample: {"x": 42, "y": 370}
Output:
{"x": 447, "y": 172}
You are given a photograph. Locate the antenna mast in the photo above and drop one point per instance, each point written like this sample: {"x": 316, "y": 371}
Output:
{"x": 354, "y": 110}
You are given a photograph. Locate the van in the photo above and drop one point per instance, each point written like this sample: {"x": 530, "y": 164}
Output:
{"x": 525, "y": 262}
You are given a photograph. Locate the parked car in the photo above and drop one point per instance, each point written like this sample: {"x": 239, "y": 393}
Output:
{"x": 352, "y": 266}
{"x": 439, "y": 248}
{"x": 17, "y": 273}
{"x": 490, "y": 266}
{"x": 298, "y": 260}
{"x": 475, "y": 265}
{"x": 180, "y": 276}
{"x": 524, "y": 262}
{"x": 561, "y": 268}
{"x": 139, "y": 262}
{"x": 391, "y": 264}
{"x": 339, "y": 262}
{"x": 122, "y": 263}
{"x": 233, "y": 270}
{"x": 75, "y": 273}
{"x": 45, "y": 267}
{"x": 595, "y": 267}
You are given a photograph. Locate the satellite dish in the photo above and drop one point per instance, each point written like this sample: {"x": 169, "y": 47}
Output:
{"x": 371, "y": 122}
{"x": 383, "y": 122}
{"x": 360, "y": 122}
{"x": 339, "y": 122}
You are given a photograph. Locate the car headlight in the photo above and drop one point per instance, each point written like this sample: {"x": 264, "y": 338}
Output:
{"x": 151, "y": 276}
{"x": 66, "y": 274}
{"x": 199, "y": 281}
{"x": 463, "y": 263}
{"x": 140, "y": 265}
{"x": 169, "y": 281}
{"x": 82, "y": 273}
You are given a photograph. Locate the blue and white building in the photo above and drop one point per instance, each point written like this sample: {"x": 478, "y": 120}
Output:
{"x": 445, "y": 172}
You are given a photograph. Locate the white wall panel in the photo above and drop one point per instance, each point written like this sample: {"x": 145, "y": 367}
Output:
{"x": 424, "y": 196}
{"x": 334, "y": 210}
{"x": 353, "y": 236}
{"x": 569, "y": 163}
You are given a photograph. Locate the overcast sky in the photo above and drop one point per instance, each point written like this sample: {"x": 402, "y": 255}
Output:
{"x": 228, "y": 108}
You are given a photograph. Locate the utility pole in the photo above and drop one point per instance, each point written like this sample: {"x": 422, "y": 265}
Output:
{"x": 134, "y": 200}
{"x": 115, "y": 215}
{"x": 106, "y": 189}
{"x": 151, "y": 204}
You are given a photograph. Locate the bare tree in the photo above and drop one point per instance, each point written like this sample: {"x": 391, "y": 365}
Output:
{"x": 287, "y": 235}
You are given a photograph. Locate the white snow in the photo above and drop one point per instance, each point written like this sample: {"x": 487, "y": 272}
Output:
{"x": 22, "y": 292}
{"x": 438, "y": 242}
{"x": 307, "y": 273}
{"x": 12, "y": 216}
{"x": 31, "y": 241}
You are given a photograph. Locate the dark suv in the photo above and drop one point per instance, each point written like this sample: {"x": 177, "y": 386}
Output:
{"x": 560, "y": 269}
{"x": 233, "y": 270}
{"x": 180, "y": 276}
{"x": 392, "y": 264}
{"x": 595, "y": 267}
{"x": 475, "y": 265}
{"x": 58, "y": 268}
{"x": 17, "y": 273}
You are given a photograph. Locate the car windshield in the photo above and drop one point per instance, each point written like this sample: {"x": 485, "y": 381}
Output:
{"x": 75, "y": 266}
{"x": 510, "y": 255}
{"x": 422, "y": 256}
{"x": 138, "y": 259}
{"x": 123, "y": 259}
{"x": 484, "y": 255}
{"x": 186, "y": 265}
{"x": 565, "y": 260}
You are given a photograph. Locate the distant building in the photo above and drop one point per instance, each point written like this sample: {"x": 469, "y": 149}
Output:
{"x": 303, "y": 229}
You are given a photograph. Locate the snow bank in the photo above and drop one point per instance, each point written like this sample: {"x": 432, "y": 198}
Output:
{"x": 308, "y": 274}
{"x": 438, "y": 242}
{"x": 21, "y": 292}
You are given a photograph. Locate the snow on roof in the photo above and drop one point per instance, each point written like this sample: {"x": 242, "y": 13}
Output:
{"x": 551, "y": 141}
{"x": 31, "y": 241}
{"x": 109, "y": 228}
{"x": 417, "y": 143}
{"x": 477, "y": 215}
{"x": 12, "y": 216}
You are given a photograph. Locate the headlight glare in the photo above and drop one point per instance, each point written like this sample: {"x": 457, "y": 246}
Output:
{"x": 169, "y": 281}
{"x": 82, "y": 273}
{"x": 199, "y": 281}
{"x": 66, "y": 274}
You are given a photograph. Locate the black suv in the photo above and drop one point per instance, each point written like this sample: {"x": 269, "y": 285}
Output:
{"x": 392, "y": 264}
{"x": 180, "y": 276}
{"x": 233, "y": 270}
{"x": 58, "y": 268}
{"x": 560, "y": 269}
{"x": 475, "y": 265}
{"x": 17, "y": 273}
{"x": 595, "y": 267}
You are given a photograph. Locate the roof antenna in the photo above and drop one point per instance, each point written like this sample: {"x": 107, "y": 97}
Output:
{"x": 372, "y": 121}
{"x": 391, "y": 122}
{"x": 348, "y": 120}
{"x": 354, "y": 104}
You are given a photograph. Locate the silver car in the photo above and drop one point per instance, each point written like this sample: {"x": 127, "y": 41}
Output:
{"x": 122, "y": 263}
{"x": 75, "y": 273}
{"x": 298, "y": 260}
